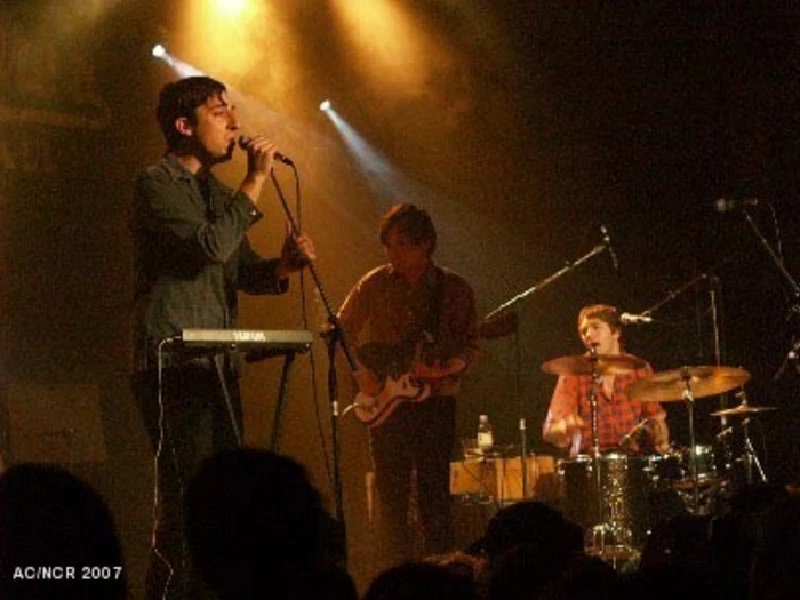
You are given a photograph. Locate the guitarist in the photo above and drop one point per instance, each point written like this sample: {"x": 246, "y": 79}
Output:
{"x": 424, "y": 318}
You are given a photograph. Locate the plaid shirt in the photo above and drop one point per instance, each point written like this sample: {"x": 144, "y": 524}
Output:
{"x": 617, "y": 414}
{"x": 383, "y": 308}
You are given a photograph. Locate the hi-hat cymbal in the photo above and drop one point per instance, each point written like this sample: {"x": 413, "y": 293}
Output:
{"x": 599, "y": 364}
{"x": 743, "y": 409}
{"x": 668, "y": 386}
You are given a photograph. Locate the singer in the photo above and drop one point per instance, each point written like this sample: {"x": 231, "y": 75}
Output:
{"x": 568, "y": 423}
{"x": 192, "y": 256}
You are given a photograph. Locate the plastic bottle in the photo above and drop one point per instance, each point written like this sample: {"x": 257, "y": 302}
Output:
{"x": 485, "y": 434}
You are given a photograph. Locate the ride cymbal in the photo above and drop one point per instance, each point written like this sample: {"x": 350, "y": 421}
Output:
{"x": 669, "y": 386}
{"x": 598, "y": 364}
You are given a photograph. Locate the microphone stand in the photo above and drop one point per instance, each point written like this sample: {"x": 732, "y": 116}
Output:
{"x": 780, "y": 266}
{"x": 771, "y": 252}
{"x": 523, "y": 429}
{"x": 547, "y": 281}
{"x": 335, "y": 337}
{"x": 673, "y": 294}
{"x": 714, "y": 291}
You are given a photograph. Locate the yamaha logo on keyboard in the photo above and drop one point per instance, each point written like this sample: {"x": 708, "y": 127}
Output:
{"x": 243, "y": 336}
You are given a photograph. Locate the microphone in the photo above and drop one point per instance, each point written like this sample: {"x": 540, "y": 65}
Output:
{"x": 245, "y": 140}
{"x": 607, "y": 242}
{"x": 631, "y": 319}
{"x": 723, "y": 205}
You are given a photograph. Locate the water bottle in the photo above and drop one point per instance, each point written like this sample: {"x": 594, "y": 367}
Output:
{"x": 485, "y": 435}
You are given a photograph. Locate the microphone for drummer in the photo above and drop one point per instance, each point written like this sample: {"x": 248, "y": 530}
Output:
{"x": 631, "y": 319}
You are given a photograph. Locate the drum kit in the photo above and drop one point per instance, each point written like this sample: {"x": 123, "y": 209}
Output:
{"x": 606, "y": 492}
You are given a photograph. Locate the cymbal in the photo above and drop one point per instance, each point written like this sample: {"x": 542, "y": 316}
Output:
{"x": 742, "y": 409}
{"x": 668, "y": 386}
{"x": 599, "y": 364}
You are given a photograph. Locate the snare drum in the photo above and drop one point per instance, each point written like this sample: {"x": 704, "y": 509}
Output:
{"x": 625, "y": 483}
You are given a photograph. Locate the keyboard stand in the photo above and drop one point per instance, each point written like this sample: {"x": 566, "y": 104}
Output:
{"x": 288, "y": 359}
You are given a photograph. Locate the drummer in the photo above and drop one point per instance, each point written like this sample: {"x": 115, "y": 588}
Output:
{"x": 620, "y": 418}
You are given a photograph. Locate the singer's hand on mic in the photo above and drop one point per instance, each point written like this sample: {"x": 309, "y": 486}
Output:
{"x": 260, "y": 155}
{"x": 260, "y": 160}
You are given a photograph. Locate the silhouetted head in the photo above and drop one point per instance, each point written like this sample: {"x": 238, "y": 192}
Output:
{"x": 413, "y": 580}
{"x": 533, "y": 524}
{"x": 255, "y": 525}
{"x": 50, "y": 518}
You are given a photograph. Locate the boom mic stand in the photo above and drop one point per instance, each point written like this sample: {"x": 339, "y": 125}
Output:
{"x": 335, "y": 336}
{"x": 780, "y": 266}
{"x": 523, "y": 429}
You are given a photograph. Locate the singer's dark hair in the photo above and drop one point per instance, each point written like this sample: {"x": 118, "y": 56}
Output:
{"x": 604, "y": 312}
{"x": 180, "y": 99}
{"x": 411, "y": 222}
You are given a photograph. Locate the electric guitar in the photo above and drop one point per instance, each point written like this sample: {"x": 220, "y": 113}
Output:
{"x": 393, "y": 365}
{"x": 374, "y": 410}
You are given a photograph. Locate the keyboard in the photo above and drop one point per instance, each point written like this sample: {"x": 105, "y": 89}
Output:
{"x": 279, "y": 340}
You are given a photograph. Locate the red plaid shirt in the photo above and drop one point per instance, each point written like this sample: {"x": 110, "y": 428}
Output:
{"x": 617, "y": 414}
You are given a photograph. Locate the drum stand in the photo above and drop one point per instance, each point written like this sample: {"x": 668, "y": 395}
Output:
{"x": 688, "y": 397}
{"x": 750, "y": 457}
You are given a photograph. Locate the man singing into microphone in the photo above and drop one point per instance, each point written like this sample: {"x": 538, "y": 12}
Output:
{"x": 192, "y": 256}
{"x": 569, "y": 420}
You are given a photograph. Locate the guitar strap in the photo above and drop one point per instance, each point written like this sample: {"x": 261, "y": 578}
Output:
{"x": 433, "y": 323}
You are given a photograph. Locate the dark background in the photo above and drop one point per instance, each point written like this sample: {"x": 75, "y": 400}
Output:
{"x": 521, "y": 126}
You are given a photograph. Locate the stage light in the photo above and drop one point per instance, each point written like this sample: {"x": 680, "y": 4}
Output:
{"x": 159, "y": 51}
{"x": 325, "y": 105}
{"x": 233, "y": 8}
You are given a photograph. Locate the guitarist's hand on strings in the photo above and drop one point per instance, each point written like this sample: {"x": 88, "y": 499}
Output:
{"x": 367, "y": 382}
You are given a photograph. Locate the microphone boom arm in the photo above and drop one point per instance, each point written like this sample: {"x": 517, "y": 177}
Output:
{"x": 771, "y": 252}
{"x": 547, "y": 280}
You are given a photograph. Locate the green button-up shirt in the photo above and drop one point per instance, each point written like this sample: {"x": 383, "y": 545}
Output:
{"x": 192, "y": 255}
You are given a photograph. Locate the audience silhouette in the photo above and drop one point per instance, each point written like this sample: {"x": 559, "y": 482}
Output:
{"x": 420, "y": 581}
{"x": 57, "y": 538}
{"x": 256, "y": 529}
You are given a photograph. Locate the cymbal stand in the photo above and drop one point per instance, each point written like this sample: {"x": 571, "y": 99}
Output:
{"x": 593, "y": 358}
{"x": 750, "y": 456}
{"x": 688, "y": 396}
{"x": 611, "y": 538}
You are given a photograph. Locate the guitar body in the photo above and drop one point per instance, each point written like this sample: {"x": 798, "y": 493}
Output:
{"x": 373, "y": 411}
